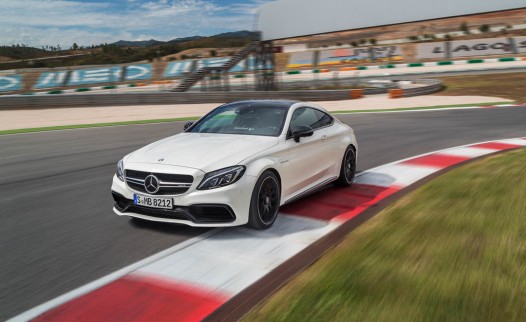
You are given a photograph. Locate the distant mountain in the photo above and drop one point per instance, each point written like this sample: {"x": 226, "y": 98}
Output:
{"x": 185, "y": 39}
{"x": 243, "y": 34}
{"x": 139, "y": 43}
{"x": 237, "y": 34}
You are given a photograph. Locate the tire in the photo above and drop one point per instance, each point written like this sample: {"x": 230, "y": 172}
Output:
{"x": 265, "y": 201}
{"x": 348, "y": 168}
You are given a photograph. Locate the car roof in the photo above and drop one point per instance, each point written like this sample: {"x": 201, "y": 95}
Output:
{"x": 270, "y": 103}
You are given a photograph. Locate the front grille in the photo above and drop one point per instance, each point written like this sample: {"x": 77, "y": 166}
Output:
{"x": 159, "y": 213}
{"x": 170, "y": 184}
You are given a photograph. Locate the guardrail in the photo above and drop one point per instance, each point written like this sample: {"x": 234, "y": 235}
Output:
{"x": 430, "y": 86}
{"x": 123, "y": 99}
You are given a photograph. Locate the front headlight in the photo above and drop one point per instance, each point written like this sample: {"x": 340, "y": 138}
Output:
{"x": 222, "y": 177}
{"x": 120, "y": 170}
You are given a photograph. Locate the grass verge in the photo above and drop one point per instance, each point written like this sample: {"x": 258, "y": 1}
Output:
{"x": 453, "y": 250}
{"x": 84, "y": 126}
{"x": 418, "y": 108}
{"x": 506, "y": 85}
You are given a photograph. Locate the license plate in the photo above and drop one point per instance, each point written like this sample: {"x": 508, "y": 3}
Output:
{"x": 153, "y": 202}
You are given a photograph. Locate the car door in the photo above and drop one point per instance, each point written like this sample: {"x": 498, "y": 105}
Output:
{"x": 310, "y": 158}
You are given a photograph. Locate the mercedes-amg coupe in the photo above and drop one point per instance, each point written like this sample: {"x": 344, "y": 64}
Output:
{"x": 236, "y": 165}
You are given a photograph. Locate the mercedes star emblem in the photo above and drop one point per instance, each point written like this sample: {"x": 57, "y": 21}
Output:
{"x": 151, "y": 184}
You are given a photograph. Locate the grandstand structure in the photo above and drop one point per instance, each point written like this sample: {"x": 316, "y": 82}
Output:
{"x": 279, "y": 20}
{"x": 263, "y": 66}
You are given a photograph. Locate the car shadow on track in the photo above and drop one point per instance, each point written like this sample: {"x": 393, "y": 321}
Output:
{"x": 167, "y": 228}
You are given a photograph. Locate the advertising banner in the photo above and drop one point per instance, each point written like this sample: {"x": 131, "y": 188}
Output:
{"x": 220, "y": 61}
{"x": 10, "y": 83}
{"x": 350, "y": 55}
{"x": 177, "y": 68}
{"x": 432, "y": 50}
{"x": 110, "y": 74}
{"x": 50, "y": 80}
{"x": 301, "y": 59}
{"x": 94, "y": 76}
{"x": 520, "y": 43}
{"x": 138, "y": 72}
{"x": 481, "y": 47}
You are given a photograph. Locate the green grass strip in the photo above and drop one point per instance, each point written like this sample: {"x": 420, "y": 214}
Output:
{"x": 56, "y": 92}
{"x": 85, "y": 89}
{"x": 453, "y": 250}
{"x": 418, "y": 108}
{"x": 415, "y": 65}
{"x": 85, "y": 126}
{"x": 443, "y": 63}
{"x": 507, "y": 59}
{"x": 475, "y": 61}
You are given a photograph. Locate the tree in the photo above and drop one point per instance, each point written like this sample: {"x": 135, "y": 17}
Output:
{"x": 484, "y": 28}
{"x": 464, "y": 28}
{"x": 413, "y": 38}
{"x": 213, "y": 53}
{"x": 75, "y": 46}
{"x": 354, "y": 44}
{"x": 363, "y": 41}
{"x": 372, "y": 41}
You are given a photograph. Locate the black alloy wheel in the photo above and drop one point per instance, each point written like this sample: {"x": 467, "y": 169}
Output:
{"x": 264, "y": 205}
{"x": 348, "y": 168}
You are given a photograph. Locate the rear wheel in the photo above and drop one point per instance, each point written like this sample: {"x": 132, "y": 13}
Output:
{"x": 265, "y": 201}
{"x": 348, "y": 168}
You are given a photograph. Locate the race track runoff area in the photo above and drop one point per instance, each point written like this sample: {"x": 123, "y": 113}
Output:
{"x": 189, "y": 281}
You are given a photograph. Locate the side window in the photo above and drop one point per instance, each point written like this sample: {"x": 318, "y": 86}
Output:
{"x": 310, "y": 117}
{"x": 324, "y": 119}
{"x": 304, "y": 116}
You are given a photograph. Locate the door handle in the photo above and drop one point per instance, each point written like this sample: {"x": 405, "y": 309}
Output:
{"x": 324, "y": 137}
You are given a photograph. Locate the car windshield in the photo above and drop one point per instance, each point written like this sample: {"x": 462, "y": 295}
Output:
{"x": 245, "y": 118}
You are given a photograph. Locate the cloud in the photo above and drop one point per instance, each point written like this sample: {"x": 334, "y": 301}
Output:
{"x": 52, "y": 22}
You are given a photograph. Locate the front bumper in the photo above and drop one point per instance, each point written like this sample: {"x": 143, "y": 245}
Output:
{"x": 221, "y": 207}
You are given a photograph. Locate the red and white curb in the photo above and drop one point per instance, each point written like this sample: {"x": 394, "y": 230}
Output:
{"x": 189, "y": 281}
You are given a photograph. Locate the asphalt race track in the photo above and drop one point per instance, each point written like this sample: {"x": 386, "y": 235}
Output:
{"x": 58, "y": 231}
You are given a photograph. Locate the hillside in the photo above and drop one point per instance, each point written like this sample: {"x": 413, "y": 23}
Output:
{"x": 244, "y": 34}
{"x": 125, "y": 51}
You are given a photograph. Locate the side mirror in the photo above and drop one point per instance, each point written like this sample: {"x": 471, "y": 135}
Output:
{"x": 187, "y": 125}
{"x": 301, "y": 131}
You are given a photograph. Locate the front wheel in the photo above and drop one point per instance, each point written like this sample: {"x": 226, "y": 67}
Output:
{"x": 265, "y": 201}
{"x": 348, "y": 168}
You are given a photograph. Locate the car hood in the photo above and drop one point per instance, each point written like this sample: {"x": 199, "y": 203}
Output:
{"x": 203, "y": 151}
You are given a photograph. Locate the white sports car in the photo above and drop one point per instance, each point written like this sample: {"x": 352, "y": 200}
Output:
{"x": 236, "y": 165}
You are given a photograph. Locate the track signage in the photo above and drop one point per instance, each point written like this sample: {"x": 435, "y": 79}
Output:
{"x": 10, "y": 83}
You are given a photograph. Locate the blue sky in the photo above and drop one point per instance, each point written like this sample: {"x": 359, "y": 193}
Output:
{"x": 86, "y": 22}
